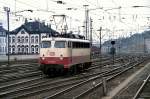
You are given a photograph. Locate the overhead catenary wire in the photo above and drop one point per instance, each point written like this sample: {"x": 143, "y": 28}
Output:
{"x": 67, "y": 3}
{"x": 24, "y": 3}
{"x": 37, "y": 7}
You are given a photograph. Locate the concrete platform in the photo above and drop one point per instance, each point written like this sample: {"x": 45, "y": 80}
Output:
{"x": 18, "y": 57}
{"x": 125, "y": 83}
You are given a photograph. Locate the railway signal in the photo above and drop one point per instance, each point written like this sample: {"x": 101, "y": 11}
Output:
{"x": 112, "y": 42}
{"x": 113, "y": 50}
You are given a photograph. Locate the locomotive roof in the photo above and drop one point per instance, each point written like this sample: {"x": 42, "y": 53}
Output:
{"x": 64, "y": 39}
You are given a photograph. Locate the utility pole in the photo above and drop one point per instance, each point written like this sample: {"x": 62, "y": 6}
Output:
{"x": 145, "y": 51}
{"x": 100, "y": 37}
{"x": 8, "y": 43}
{"x": 104, "y": 89}
{"x": 47, "y": 5}
{"x": 86, "y": 20}
{"x": 91, "y": 27}
{"x": 15, "y": 7}
{"x": 91, "y": 39}
{"x": 87, "y": 24}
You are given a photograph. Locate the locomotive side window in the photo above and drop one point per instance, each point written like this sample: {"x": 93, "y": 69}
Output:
{"x": 69, "y": 44}
{"x": 46, "y": 44}
{"x": 87, "y": 45}
{"x": 75, "y": 44}
{"x": 81, "y": 45}
{"x": 59, "y": 44}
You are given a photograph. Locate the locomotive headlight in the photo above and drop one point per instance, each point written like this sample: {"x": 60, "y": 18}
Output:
{"x": 61, "y": 57}
{"x": 43, "y": 58}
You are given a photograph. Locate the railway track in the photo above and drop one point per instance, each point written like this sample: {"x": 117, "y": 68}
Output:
{"x": 44, "y": 84}
{"x": 18, "y": 71}
{"x": 28, "y": 81}
{"x": 16, "y": 76}
{"x": 14, "y": 90}
{"x": 135, "y": 87}
{"x": 14, "y": 72}
{"x": 23, "y": 81}
{"x": 32, "y": 89}
{"x": 86, "y": 93}
{"x": 78, "y": 91}
{"x": 23, "y": 61}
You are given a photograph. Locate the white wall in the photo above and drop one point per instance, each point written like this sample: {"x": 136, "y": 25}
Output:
{"x": 2, "y": 45}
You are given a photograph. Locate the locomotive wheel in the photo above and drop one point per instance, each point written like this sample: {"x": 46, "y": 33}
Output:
{"x": 65, "y": 71}
{"x": 51, "y": 72}
{"x": 45, "y": 70}
{"x": 60, "y": 72}
{"x": 87, "y": 65}
{"x": 73, "y": 70}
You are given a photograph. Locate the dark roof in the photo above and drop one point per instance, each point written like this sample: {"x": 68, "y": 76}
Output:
{"x": 2, "y": 31}
{"x": 70, "y": 35}
{"x": 35, "y": 27}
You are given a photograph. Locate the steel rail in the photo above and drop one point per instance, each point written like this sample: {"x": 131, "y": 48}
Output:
{"x": 100, "y": 84}
{"x": 141, "y": 87}
{"x": 75, "y": 86}
{"x": 78, "y": 85}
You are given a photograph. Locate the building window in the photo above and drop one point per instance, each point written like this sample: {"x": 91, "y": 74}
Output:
{"x": 4, "y": 40}
{"x": 26, "y": 49}
{"x": 43, "y": 36}
{"x": 22, "y": 32}
{"x": 22, "y": 38}
{"x": 13, "y": 39}
{"x": 3, "y": 49}
{"x": 9, "y": 39}
{"x": 22, "y": 48}
{"x": 1, "y": 40}
{"x": 32, "y": 49}
{"x": 19, "y": 49}
{"x": 9, "y": 49}
{"x": 26, "y": 39}
{"x": 0, "y": 49}
{"x": 36, "y": 49}
{"x": 13, "y": 49}
{"x": 32, "y": 39}
{"x": 36, "y": 39}
{"x": 18, "y": 39}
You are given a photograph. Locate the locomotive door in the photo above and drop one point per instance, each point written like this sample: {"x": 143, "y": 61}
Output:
{"x": 70, "y": 49}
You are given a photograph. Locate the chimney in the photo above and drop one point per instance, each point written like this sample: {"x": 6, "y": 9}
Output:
{"x": 26, "y": 20}
{"x": 43, "y": 22}
{"x": 49, "y": 26}
{"x": 1, "y": 25}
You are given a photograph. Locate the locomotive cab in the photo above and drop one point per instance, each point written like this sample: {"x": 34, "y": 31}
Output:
{"x": 54, "y": 55}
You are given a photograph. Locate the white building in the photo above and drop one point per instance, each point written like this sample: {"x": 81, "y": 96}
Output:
{"x": 26, "y": 38}
{"x": 2, "y": 40}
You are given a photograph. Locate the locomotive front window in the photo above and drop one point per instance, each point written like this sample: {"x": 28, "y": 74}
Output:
{"x": 46, "y": 44}
{"x": 59, "y": 44}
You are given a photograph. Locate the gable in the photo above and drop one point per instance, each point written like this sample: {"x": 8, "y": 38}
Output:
{"x": 22, "y": 32}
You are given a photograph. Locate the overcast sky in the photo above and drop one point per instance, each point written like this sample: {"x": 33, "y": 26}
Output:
{"x": 114, "y": 21}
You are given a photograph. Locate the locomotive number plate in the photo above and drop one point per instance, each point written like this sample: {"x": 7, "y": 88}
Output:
{"x": 52, "y": 53}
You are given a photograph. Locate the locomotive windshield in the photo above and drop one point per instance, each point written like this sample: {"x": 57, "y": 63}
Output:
{"x": 46, "y": 44}
{"x": 59, "y": 44}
